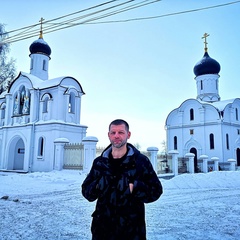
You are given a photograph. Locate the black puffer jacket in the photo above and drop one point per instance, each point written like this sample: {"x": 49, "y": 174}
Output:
{"x": 120, "y": 214}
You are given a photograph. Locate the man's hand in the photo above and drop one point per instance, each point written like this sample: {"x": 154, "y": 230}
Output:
{"x": 131, "y": 187}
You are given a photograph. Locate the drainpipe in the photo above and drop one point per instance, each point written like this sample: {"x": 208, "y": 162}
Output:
{"x": 33, "y": 132}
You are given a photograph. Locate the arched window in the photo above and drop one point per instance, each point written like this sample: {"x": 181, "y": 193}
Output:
{"x": 45, "y": 104}
{"x": 201, "y": 85}
{"x": 71, "y": 103}
{"x": 175, "y": 142}
{"x": 211, "y": 139}
{"x": 191, "y": 114}
{"x": 236, "y": 111}
{"x": 3, "y": 108}
{"x": 227, "y": 141}
{"x": 40, "y": 146}
{"x": 44, "y": 65}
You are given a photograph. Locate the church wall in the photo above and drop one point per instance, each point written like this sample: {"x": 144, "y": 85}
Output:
{"x": 49, "y": 132}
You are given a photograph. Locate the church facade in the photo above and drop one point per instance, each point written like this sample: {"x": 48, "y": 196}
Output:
{"x": 206, "y": 125}
{"x": 36, "y": 112}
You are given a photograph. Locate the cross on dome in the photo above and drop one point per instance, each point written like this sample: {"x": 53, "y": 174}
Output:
{"x": 205, "y": 35}
{"x": 41, "y": 27}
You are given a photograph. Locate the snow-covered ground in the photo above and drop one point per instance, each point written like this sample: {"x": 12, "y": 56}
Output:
{"x": 50, "y": 206}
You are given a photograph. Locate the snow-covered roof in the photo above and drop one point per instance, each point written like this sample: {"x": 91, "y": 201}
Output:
{"x": 220, "y": 105}
{"x": 38, "y": 83}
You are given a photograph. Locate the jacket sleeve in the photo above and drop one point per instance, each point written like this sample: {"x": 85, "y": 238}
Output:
{"x": 90, "y": 185}
{"x": 147, "y": 186}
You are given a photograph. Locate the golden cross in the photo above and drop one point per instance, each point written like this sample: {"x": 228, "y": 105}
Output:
{"x": 205, "y": 35}
{"x": 41, "y": 28}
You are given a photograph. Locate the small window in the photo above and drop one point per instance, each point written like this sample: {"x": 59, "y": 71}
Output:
{"x": 31, "y": 67}
{"x": 227, "y": 141}
{"x": 191, "y": 131}
{"x": 236, "y": 111}
{"x": 238, "y": 131}
{"x": 201, "y": 85}
{"x": 71, "y": 103}
{"x": 211, "y": 139}
{"x": 3, "y": 111}
{"x": 175, "y": 142}
{"x": 21, "y": 150}
{"x": 45, "y": 104}
{"x": 44, "y": 65}
{"x": 191, "y": 114}
{"x": 40, "y": 146}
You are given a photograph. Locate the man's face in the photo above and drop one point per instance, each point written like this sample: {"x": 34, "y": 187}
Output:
{"x": 118, "y": 135}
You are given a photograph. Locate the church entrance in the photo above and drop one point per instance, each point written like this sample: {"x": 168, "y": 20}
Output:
{"x": 16, "y": 154}
{"x": 238, "y": 156}
{"x": 194, "y": 150}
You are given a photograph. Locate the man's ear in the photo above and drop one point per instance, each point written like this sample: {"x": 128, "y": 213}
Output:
{"x": 129, "y": 135}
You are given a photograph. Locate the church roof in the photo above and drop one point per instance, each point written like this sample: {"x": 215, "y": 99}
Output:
{"x": 40, "y": 46}
{"x": 38, "y": 83}
{"x": 206, "y": 65}
{"x": 220, "y": 105}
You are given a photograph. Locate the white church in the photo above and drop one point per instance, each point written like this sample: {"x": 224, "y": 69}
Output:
{"x": 207, "y": 125}
{"x": 37, "y": 113}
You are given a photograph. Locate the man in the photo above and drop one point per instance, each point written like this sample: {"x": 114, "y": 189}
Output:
{"x": 122, "y": 180}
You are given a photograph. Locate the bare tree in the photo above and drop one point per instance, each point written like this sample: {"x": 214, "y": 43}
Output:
{"x": 7, "y": 67}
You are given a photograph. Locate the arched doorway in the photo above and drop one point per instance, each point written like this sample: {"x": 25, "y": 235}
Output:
{"x": 238, "y": 156}
{"x": 16, "y": 154}
{"x": 194, "y": 150}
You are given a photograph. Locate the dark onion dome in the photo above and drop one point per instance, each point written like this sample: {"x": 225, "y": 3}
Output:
{"x": 40, "y": 46}
{"x": 206, "y": 65}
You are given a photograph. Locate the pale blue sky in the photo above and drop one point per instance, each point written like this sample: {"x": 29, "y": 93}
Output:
{"x": 138, "y": 70}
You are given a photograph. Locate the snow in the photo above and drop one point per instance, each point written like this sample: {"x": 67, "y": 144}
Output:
{"x": 49, "y": 205}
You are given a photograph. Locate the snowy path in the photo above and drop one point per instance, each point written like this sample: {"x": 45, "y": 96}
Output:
{"x": 49, "y": 210}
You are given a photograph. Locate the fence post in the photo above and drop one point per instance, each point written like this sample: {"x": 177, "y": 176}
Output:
{"x": 174, "y": 154}
{"x": 190, "y": 156}
{"x": 216, "y": 163}
{"x": 59, "y": 152}
{"x": 205, "y": 163}
{"x": 89, "y": 144}
{"x": 232, "y": 164}
{"x": 153, "y": 156}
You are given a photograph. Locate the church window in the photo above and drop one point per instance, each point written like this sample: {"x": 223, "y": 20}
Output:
{"x": 21, "y": 150}
{"x": 191, "y": 131}
{"x": 175, "y": 142}
{"x": 44, "y": 65}
{"x": 45, "y": 104}
{"x": 31, "y": 67}
{"x": 71, "y": 103}
{"x": 201, "y": 85}
{"x": 191, "y": 114}
{"x": 211, "y": 139}
{"x": 3, "y": 107}
{"x": 236, "y": 111}
{"x": 238, "y": 131}
{"x": 46, "y": 98}
{"x": 227, "y": 141}
{"x": 40, "y": 146}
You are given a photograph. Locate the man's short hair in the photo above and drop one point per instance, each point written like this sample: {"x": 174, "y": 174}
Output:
{"x": 119, "y": 122}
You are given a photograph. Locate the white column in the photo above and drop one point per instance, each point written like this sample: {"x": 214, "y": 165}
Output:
{"x": 216, "y": 163}
{"x": 232, "y": 164}
{"x": 153, "y": 156}
{"x": 205, "y": 163}
{"x": 59, "y": 153}
{"x": 89, "y": 152}
{"x": 190, "y": 156}
{"x": 174, "y": 154}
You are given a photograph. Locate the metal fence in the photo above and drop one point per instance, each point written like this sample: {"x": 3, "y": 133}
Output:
{"x": 73, "y": 156}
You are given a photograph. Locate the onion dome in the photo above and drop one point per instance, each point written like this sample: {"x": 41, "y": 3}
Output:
{"x": 40, "y": 46}
{"x": 206, "y": 65}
